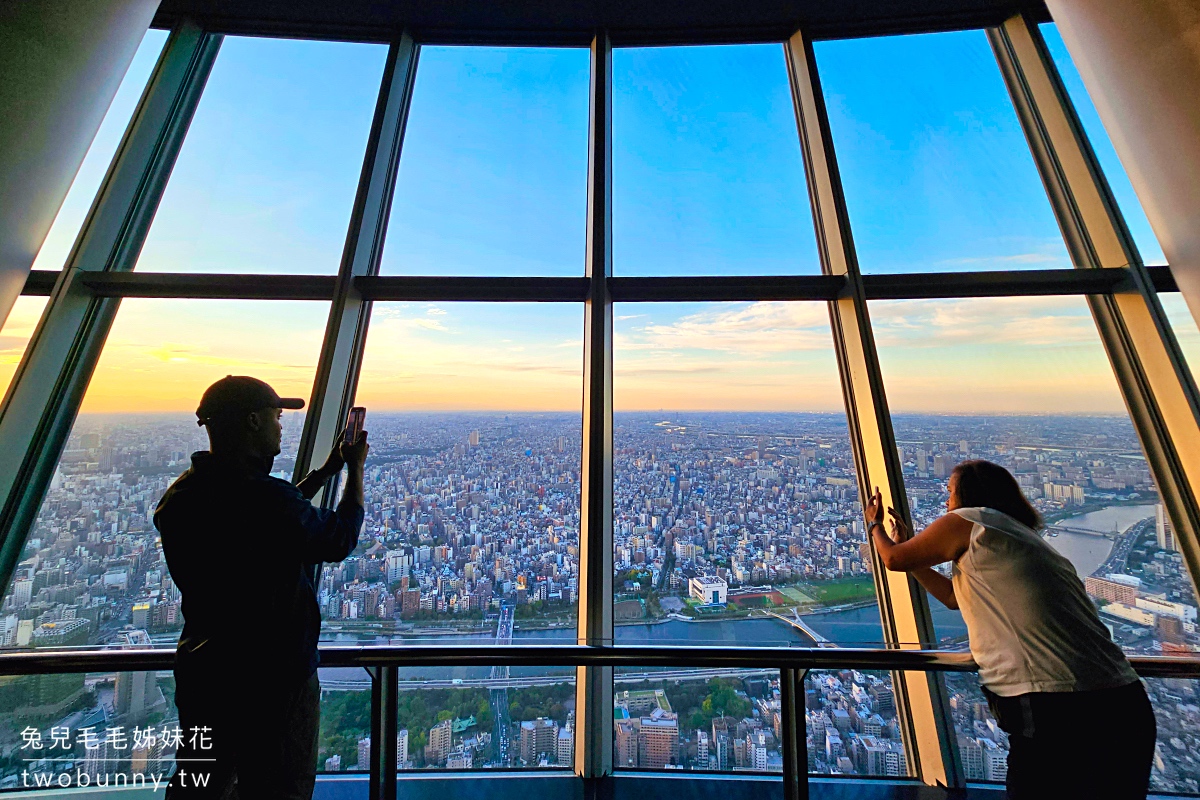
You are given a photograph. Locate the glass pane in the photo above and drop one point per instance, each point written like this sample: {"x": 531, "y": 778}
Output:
{"x": 84, "y": 730}
{"x": 1177, "y": 710}
{"x": 1025, "y": 382}
{"x": 15, "y": 335}
{"x": 982, "y": 746}
{"x": 78, "y": 201}
{"x": 708, "y": 176}
{"x": 472, "y": 483}
{"x": 1183, "y": 324}
{"x": 666, "y": 718}
{"x": 345, "y": 738}
{"x": 736, "y": 501}
{"x": 93, "y": 554}
{"x": 850, "y": 719}
{"x": 1118, "y": 179}
{"x": 493, "y": 175}
{"x": 265, "y": 181}
{"x": 480, "y": 718}
{"x": 936, "y": 170}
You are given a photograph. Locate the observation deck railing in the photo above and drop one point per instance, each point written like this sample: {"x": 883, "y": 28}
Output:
{"x": 382, "y": 663}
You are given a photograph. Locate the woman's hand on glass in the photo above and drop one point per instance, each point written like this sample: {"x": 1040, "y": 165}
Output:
{"x": 873, "y": 510}
{"x": 900, "y": 530}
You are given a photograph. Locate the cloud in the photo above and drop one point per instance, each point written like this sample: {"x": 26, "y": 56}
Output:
{"x": 1018, "y": 258}
{"x": 1018, "y": 321}
{"x": 745, "y": 329}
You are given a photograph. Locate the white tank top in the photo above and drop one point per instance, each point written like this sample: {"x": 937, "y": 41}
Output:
{"x": 1032, "y": 626}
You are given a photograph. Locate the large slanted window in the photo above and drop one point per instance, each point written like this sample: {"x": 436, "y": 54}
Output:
{"x": 425, "y": 230}
{"x": 937, "y": 173}
{"x": 493, "y": 178}
{"x": 736, "y": 501}
{"x": 707, "y": 174}
{"x": 1025, "y": 383}
{"x": 473, "y": 478}
{"x": 266, "y": 178}
{"x": 93, "y": 559}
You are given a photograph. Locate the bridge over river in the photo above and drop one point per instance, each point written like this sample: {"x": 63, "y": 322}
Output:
{"x": 1113, "y": 534}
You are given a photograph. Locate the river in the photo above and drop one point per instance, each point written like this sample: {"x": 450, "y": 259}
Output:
{"x": 1088, "y": 552}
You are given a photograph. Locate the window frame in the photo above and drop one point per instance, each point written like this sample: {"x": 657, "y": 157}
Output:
{"x": 41, "y": 404}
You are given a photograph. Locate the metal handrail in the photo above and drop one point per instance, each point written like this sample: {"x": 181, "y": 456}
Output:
{"x": 29, "y": 662}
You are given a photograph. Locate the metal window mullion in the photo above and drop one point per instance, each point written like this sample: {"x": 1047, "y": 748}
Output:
{"x": 43, "y": 398}
{"x": 794, "y": 739}
{"x": 922, "y": 704}
{"x": 1155, "y": 382}
{"x": 346, "y": 330}
{"x": 594, "y": 687}
{"x": 384, "y": 731}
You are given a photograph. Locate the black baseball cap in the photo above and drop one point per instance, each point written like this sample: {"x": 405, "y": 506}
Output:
{"x": 240, "y": 393}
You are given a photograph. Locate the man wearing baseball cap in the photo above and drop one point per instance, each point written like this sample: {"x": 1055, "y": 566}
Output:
{"x": 241, "y": 546}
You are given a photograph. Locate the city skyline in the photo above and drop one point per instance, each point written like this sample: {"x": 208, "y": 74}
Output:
{"x": 982, "y": 355}
{"x": 748, "y": 522}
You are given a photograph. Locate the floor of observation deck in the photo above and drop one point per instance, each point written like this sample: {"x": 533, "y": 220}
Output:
{"x": 516, "y": 786}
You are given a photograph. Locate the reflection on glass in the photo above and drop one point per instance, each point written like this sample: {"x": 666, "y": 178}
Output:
{"x": 92, "y": 561}
{"x": 88, "y": 730}
{"x": 1114, "y": 173}
{"x": 717, "y": 720}
{"x": 493, "y": 175}
{"x": 708, "y": 177}
{"x": 937, "y": 173}
{"x": 982, "y": 746}
{"x": 1025, "y": 382}
{"x": 344, "y": 742}
{"x": 267, "y": 175}
{"x": 472, "y": 483}
{"x": 1177, "y": 711}
{"x": 69, "y": 220}
{"x": 482, "y": 718}
{"x": 15, "y": 335}
{"x": 735, "y": 498}
{"x": 1183, "y": 325}
{"x": 850, "y": 719}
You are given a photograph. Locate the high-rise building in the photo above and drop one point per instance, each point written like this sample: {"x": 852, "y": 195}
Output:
{"x": 658, "y": 739}
{"x": 971, "y": 754}
{"x": 364, "y": 754}
{"x": 1114, "y": 588}
{"x": 626, "y": 745}
{"x": 565, "y": 757}
{"x": 440, "y": 736}
{"x": 1164, "y": 533}
{"x": 396, "y": 564}
{"x": 995, "y": 760}
{"x": 402, "y": 748}
{"x": 701, "y": 749}
{"x": 756, "y": 751}
{"x": 538, "y": 737}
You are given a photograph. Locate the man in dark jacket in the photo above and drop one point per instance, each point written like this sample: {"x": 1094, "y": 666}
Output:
{"x": 242, "y": 547}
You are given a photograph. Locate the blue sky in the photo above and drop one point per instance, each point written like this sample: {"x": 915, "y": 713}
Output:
{"x": 707, "y": 179}
{"x": 936, "y": 171}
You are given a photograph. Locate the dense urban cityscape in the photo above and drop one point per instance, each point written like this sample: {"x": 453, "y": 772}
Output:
{"x": 739, "y": 528}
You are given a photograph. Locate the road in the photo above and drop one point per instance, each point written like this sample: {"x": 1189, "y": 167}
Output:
{"x": 503, "y": 683}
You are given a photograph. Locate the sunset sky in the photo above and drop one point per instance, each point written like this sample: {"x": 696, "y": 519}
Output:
{"x": 707, "y": 180}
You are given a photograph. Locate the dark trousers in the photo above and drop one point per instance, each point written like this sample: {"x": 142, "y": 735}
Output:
{"x": 1097, "y": 744}
{"x": 244, "y": 741}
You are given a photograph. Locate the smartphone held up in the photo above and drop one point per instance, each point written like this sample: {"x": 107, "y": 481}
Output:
{"x": 354, "y": 424}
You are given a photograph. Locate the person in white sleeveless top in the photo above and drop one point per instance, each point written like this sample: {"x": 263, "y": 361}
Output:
{"x": 1078, "y": 719}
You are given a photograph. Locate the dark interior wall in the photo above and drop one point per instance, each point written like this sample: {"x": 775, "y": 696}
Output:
{"x": 574, "y": 21}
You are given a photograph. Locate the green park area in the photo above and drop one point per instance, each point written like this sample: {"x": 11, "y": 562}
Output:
{"x": 840, "y": 591}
